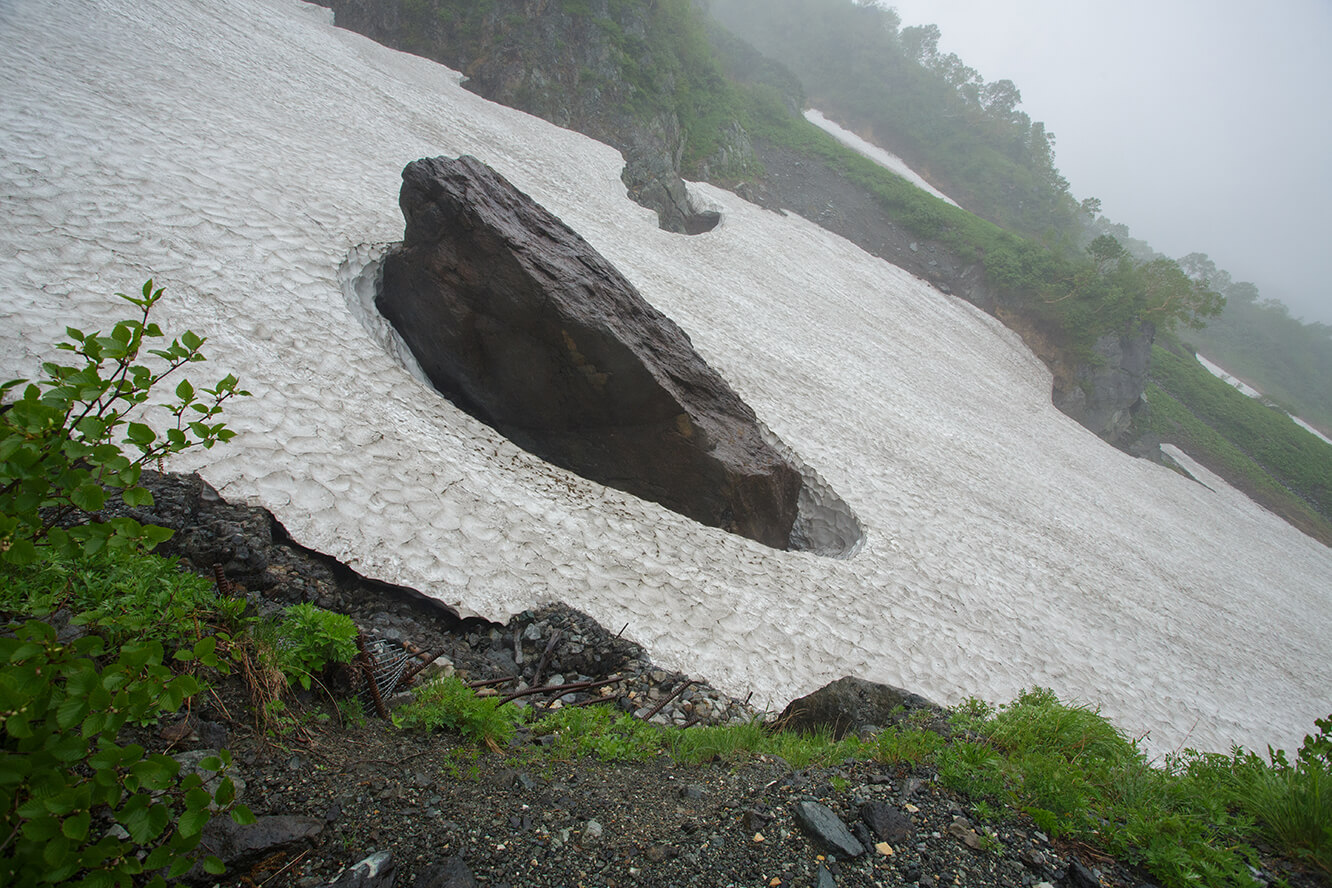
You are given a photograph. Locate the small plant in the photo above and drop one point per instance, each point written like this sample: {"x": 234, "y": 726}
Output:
{"x": 1293, "y": 801}
{"x": 463, "y": 764}
{"x": 352, "y": 711}
{"x": 448, "y": 704}
{"x": 61, "y": 439}
{"x": 595, "y": 730}
{"x": 910, "y": 746}
{"x": 121, "y": 595}
{"x": 706, "y": 743}
{"x": 309, "y": 638}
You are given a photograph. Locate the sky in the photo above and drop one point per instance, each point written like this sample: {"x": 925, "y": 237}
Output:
{"x": 1200, "y": 125}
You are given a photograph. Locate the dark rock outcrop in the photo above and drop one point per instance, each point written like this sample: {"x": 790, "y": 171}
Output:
{"x": 575, "y": 68}
{"x": 849, "y": 703}
{"x": 522, "y": 323}
{"x": 241, "y": 846}
{"x": 1108, "y": 396}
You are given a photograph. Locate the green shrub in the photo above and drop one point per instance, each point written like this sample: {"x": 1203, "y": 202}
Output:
{"x": 65, "y": 780}
{"x": 449, "y": 705}
{"x": 77, "y": 806}
{"x": 705, "y": 743}
{"x": 59, "y": 453}
{"x": 1292, "y": 801}
{"x": 309, "y": 638}
{"x": 1077, "y": 776}
{"x": 121, "y": 595}
{"x": 912, "y": 746}
{"x": 598, "y": 731}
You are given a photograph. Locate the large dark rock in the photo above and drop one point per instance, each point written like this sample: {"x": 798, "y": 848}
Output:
{"x": 242, "y": 846}
{"x": 522, "y": 323}
{"x": 1108, "y": 395}
{"x": 850, "y": 703}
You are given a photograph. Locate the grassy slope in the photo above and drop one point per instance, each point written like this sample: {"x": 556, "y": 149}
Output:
{"x": 1256, "y": 448}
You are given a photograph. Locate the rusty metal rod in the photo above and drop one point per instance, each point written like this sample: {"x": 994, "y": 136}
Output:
{"x": 417, "y": 652}
{"x": 474, "y": 685}
{"x": 545, "y": 657}
{"x": 426, "y": 660}
{"x": 221, "y": 581}
{"x": 563, "y": 689}
{"x": 675, "y": 693}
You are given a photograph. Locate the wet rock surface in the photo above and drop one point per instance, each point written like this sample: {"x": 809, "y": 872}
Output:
{"x": 519, "y": 321}
{"x": 849, "y": 703}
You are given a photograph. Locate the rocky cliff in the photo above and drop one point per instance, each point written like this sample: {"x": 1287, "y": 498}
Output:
{"x": 615, "y": 71}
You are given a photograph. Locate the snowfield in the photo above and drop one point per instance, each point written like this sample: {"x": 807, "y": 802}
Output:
{"x": 247, "y": 156}
{"x": 882, "y": 157}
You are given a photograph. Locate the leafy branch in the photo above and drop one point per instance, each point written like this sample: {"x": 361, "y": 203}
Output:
{"x": 61, "y": 438}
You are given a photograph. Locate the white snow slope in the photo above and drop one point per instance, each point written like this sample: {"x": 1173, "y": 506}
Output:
{"x": 881, "y": 156}
{"x": 239, "y": 152}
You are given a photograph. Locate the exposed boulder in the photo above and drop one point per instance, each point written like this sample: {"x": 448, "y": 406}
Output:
{"x": 242, "y": 846}
{"x": 1108, "y": 395}
{"x": 850, "y": 703}
{"x": 519, "y": 321}
{"x": 826, "y": 828}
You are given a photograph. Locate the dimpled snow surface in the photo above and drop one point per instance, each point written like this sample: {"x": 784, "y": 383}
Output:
{"x": 247, "y": 156}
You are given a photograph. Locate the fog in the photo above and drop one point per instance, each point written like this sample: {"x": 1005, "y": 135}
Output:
{"x": 1199, "y": 125}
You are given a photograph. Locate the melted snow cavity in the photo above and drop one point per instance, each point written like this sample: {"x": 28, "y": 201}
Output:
{"x": 238, "y": 152}
{"x": 824, "y": 524}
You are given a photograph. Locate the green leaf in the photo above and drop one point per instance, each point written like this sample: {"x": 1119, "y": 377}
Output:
{"x": 71, "y": 712}
{"x": 21, "y": 552}
{"x": 134, "y": 818}
{"x": 76, "y": 827}
{"x": 25, "y": 651}
{"x": 185, "y": 391}
{"x": 241, "y": 815}
{"x": 41, "y": 829}
{"x": 98, "y": 879}
{"x": 156, "y": 771}
{"x": 213, "y": 865}
{"x": 140, "y": 434}
{"x": 89, "y": 497}
{"x": 191, "y": 823}
{"x": 226, "y": 792}
{"x": 137, "y": 497}
{"x": 198, "y": 800}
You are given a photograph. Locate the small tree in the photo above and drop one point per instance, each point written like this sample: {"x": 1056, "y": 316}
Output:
{"x": 59, "y": 447}
{"x": 76, "y": 806}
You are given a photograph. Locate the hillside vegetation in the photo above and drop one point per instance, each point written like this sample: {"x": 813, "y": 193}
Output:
{"x": 1258, "y": 340}
{"x": 1259, "y": 449}
{"x": 897, "y": 89}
